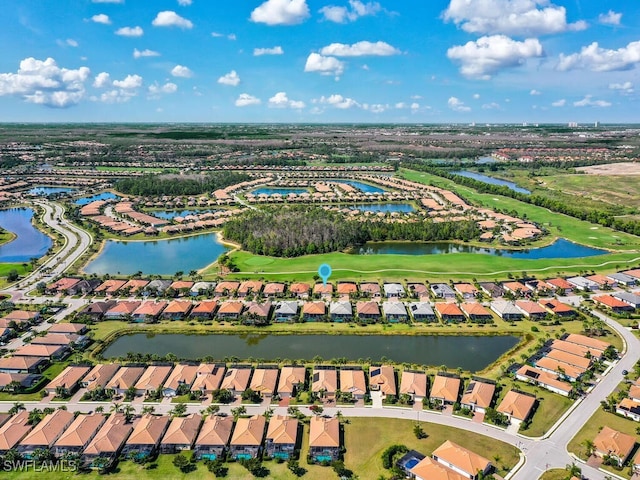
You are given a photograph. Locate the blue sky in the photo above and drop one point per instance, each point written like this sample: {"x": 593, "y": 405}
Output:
{"x": 413, "y": 61}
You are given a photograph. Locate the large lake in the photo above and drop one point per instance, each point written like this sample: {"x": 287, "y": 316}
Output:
{"x": 468, "y": 352}
{"x": 99, "y": 196}
{"x": 30, "y": 241}
{"x": 561, "y": 248}
{"x": 162, "y": 257}
{"x": 492, "y": 180}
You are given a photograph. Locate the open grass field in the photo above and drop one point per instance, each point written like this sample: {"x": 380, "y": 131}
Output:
{"x": 364, "y": 441}
{"x": 621, "y": 190}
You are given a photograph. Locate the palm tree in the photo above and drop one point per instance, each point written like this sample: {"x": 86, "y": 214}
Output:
{"x": 17, "y": 406}
{"x": 129, "y": 412}
{"x": 589, "y": 447}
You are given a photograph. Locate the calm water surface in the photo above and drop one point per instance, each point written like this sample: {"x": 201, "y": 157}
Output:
{"x": 93, "y": 198}
{"x": 281, "y": 191}
{"x": 363, "y": 187}
{"x": 171, "y": 214}
{"x": 30, "y": 241}
{"x": 492, "y": 181}
{"x": 46, "y": 191}
{"x": 468, "y": 352}
{"x": 386, "y": 207}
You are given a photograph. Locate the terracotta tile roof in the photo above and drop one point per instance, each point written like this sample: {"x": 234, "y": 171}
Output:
{"x": 135, "y": 284}
{"x": 236, "y": 379}
{"x": 610, "y": 441}
{"x": 517, "y": 405}
{"x": 49, "y": 429}
{"x": 515, "y": 287}
{"x": 181, "y": 285}
{"x": 289, "y": 377}
{"x": 46, "y": 351}
{"x": 478, "y": 393}
{"x": 14, "y": 430}
{"x": 555, "y": 305}
{"x": 182, "y": 430}
{"x": 110, "y": 437}
{"x": 413, "y": 383}
{"x": 249, "y": 431}
{"x": 181, "y": 374}
{"x": 321, "y": 288}
{"x": 205, "y": 307}
{"x": 125, "y": 378}
{"x": 353, "y": 381}
{"x": 448, "y": 309}
{"x": 99, "y": 375}
{"x": 264, "y": 380}
{"x": 324, "y": 379}
{"x": 68, "y": 378}
{"x": 230, "y": 307}
{"x": 544, "y": 378}
{"x": 589, "y": 342}
{"x": 324, "y": 432}
{"x": 228, "y": 286}
{"x": 368, "y": 308}
{"x": 314, "y": 308}
{"x": 475, "y": 309}
{"x": 153, "y": 377}
{"x": 383, "y": 378}
{"x": 555, "y": 366}
{"x": 570, "y": 358}
{"x": 282, "y": 430}
{"x": 446, "y": 388}
{"x": 208, "y": 377}
{"x": 429, "y": 469}
{"x": 299, "y": 288}
{"x": 123, "y": 308}
{"x": 111, "y": 286}
{"x": 149, "y": 430}
{"x": 150, "y": 309}
{"x": 530, "y": 308}
{"x": 215, "y": 431}
{"x": 560, "y": 283}
{"x": 81, "y": 430}
{"x": 259, "y": 309}
{"x": 575, "y": 349}
{"x": 273, "y": 288}
{"x": 67, "y": 328}
{"x": 250, "y": 286}
{"x": 345, "y": 288}
{"x": 20, "y": 363}
{"x": 465, "y": 288}
{"x": 63, "y": 284}
{"x": 371, "y": 288}
{"x": 21, "y": 315}
{"x": 611, "y": 302}
{"x": 466, "y": 460}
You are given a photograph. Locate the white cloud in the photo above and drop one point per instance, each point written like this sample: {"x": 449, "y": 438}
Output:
{"x": 587, "y": 101}
{"x": 130, "y": 31}
{"x": 69, "y": 42}
{"x": 101, "y": 18}
{"x": 400, "y": 105}
{"x": 415, "y": 106}
{"x": 245, "y": 100}
{"x": 358, "y": 9}
{"x": 535, "y": 92}
{"x": 625, "y": 88}
{"x": 268, "y": 51}
{"x": 230, "y": 36}
{"x": 599, "y": 59}
{"x": 559, "y": 103}
{"x": 510, "y": 17}
{"x": 181, "y": 71}
{"x": 491, "y": 106}
{"x": 280, "y": 100}
{"x": 184, "y": 3}
{"x": 232, "y": 78}
{"x": 144, "y": 53}
{"x": 457, "y": 105}
{"x": 129, "y": 82}
{"x": 171, "y": 19}
{"x": 338, "y": 101}
{"x": 488, "y": 55}
{"x": 359, "y": 49}
{"x": 43, "y": 82}
{"x": 156, "y": 89}
{"x": 610, "y": 18}
{"x": 476, "y": 96}
{"x": 323, "y": 65}
{"x": 281, "y": 12}
{"x": 102, "y": 80}
{"x": 375, "y": 108}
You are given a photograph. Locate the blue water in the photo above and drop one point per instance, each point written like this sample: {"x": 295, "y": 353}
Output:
{"x": 324, "y": 458}
{"x": 171, "y": 214}
{"x": 281, "y": 191}
{"x": 30, "y": 241}
{"x": 386, "y": 207}
{"x": 412, "y": 463}
{"x": 162, "y": 257}
{"x": 492, "y": 181}
{"x": 363, "y": 187}
{"x": 47, "y": 191}
{"x": 561, "y": 248}
{"x": 99, "y": 196}
{"x": 485, "y": 160}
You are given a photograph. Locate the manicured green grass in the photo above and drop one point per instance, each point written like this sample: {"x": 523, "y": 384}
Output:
{"x": 21, "y": 268}
{"x": 555, "y": 474}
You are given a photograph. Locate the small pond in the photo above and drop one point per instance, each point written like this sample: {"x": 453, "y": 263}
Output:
{"x": 280, "y": 191}
{"x": 493, "y": 181}
{"x": 363, "y": 187}
{"x": 171, "y": 214}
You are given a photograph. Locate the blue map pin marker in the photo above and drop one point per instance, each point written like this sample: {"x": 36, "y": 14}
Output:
{"x": 325, "y": 272}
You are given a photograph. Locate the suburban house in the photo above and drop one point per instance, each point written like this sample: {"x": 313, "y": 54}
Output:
{"x": 77, "y": 437}
{"x": 286, "y": 311}
{"x": 96, "y": 310}
{"x": 264, "y": 380}
{"x": 428, "y": 469}
{"x": 299, "y": 290}
{"x": 181, "y": 434}
{"x": 417, "y": 290}
{"x": 478, "y": 395}
{"x": 450, "y": 312}
{"x": 371, "y": 290}
{"x": 282, "y": 436}
{"x": 540, "y": 287}
{"x": 368, "y": 310}
{"x": 324, "y": 439}
{"x": 124, "y": 378}
{"x": 383, "y": 379}
{"x": 249, "y": 287}
{"x": 395, "y": 312}
{"x": 146, "y": 436}
{"x": 12, "y": 382}
{"x": 106, "y": 445}
{"x": 460, "y": 460}
{"x": 182, "y": 287}
{"x": 628, "y": 297}
{"x": 550, "y": 381}
{"x": 442, "y": 290}
{"x": 323, "y": 290}
{"x": 324, "y": 380}
{"x": 562, "y": 369}
{"x": 603, "y": 281}
{"x": 516, "y": 288}
{"x": 629, "y": 408}
{"x": 225, "y": 289}
{"x": 204, "y": 310}
{"x": 14, "y": 430}
{"x": 588, "y": 342}
{"x": 110, "y": 287}
{"x": 476, "y": 312}
{"x": 99, "y": 375}
{"x": 52, "y": 352}
{"x": 507, "y": 310}
{"x": 414, "y": 384}
{"x": 246, "y": 441}
{"x": 236, "y": 380}
{"x": 122, "y": 310}
{"x": 157, "y": 287}
{"x": 291, "y": 379}
{"x": 152, "y": 379}
{"x": 623, "y": 279}
{"x": 353, "y": 381}
{"x": 556, "y": 307}
{"x": 68, "y": 328}
{"x": 314, "y": 311}
{"x": 492, "y": 289}
{"x": 561, "y": 284}
{"x": 148, "y": 311}
{"x": 213, "y": 438}
{"x": 393, "y": 290}
{"x": 202, "y": 288}
{"x": 465, "y": 290}
{"x": 177, "y": 310}
{"x": 181, "y": 377}
{"x": 134, "y": 286}
{"x": 23, "y": 364}
{"x": 341, "y": 311}
{"x": 346, "y": 289}
{"x": 273, "y": 290}
{"x": 445, "y": 389}
{"x": 61, "y": 286}
{"x": 531, "y": 310}
{"x": 257, "y": 313}
{"x": 575, "y": 349}
{"x": 69, "y": 340}
{"x": 584, "y": 284}
{"x": 230, "y": 310}
{"x": 517, "y": 406}
{"x": 208, "y": 378}
{"x": 566, "y": 357}
{"x": 422, "y": 312}
{"x": 67, "y": 381}
{"x": 23, "y": 316}
{"x": 45, "y": 433}
{"x": 612, "y": 303}
{"x": 614, "y": 444}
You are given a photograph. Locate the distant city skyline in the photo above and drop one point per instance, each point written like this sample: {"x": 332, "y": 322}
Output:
{"x": 312, "y": 61}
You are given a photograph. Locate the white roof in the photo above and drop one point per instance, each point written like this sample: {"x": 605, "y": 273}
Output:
{"x": 341, "y": 308}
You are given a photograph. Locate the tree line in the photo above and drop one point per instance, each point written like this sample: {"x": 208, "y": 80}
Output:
{"x": 150, "y": 185}
{"x": 301, "y": 230}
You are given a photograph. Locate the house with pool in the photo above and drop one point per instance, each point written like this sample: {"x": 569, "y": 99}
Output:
{"x": 324, "y": 439}
{"x": 282, "y": 437}
{"x": 246, "y": 441}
